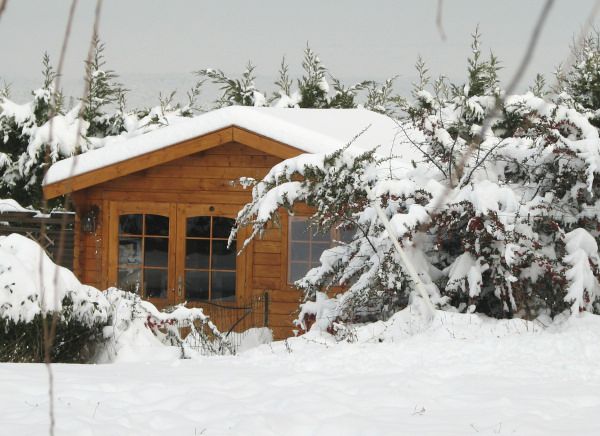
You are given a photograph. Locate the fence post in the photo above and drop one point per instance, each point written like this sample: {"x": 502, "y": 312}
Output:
{"x": 266, "y": 309}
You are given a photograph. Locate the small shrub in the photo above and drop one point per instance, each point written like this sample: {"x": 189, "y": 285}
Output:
{"x": 76, "y": 339}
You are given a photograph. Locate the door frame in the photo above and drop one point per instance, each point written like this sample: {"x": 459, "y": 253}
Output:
{"x": 118, "y": 208}
{"x": 177, "y": 213}
{"x": 185, "y": 210}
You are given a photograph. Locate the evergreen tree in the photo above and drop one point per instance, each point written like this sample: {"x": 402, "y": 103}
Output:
{"x": 380, "y": 97}
{"x": 579, "y": 85}
{"x": 345, "y": 97}
{"x": 539, "y": 86}
{"x": 103, "y": 92}
{"x": 241, "y": 92}
{"x": 23, "y": 166}
{"x": 313, "y": 85}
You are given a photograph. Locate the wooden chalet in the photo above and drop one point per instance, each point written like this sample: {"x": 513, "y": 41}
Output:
{"x": 153, "y": 212}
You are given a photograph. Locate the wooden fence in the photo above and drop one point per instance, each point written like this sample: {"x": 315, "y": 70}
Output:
{"x": 30, "y": 224}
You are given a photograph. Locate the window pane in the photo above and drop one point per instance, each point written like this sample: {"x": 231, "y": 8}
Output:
{"x": 222, "y": 227}
{"x": 131, "y": 224}
{"x": 297, "y": 271}
{"x": 155, "y": 283}
{"x": 223, "y": 257}
{"x": 223, "y": 285}
{"x": 156, "y": 252}
{"x": 346, "y": 235}
{"x": 130, "y": 279}
{"x": 316, "y": 249}
{"x": 157, "y": 225}
{"x": 320, "y": 236}
{"x": 197, "y": 253}
{"x": 299, "y": 229}
{"x": 196, "y": 285}
{"x": 130, "y": 251}
{"x": 299, "y": 251}
{"x": 198, "y": 227}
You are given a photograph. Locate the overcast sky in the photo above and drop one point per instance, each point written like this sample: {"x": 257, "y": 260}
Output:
{"x": 166, "y": 40}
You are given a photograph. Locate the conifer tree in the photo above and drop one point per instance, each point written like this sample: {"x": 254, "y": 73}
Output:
{"x": 18, "y": 125}
{"x": 313, "y": 85}
{"x": 579, "y": 85}
{"x": 103, "y": 92}
{"x": 241, "y": 92}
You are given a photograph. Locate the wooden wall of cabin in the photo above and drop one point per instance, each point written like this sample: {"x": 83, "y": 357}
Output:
{"x": 203, "y": 178}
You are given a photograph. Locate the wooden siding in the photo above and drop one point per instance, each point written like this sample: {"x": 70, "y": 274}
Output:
{"x": 203, "y": 178}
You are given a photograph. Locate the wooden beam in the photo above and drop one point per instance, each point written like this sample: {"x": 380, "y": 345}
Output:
{"x": 264, "y": 144}
{"x": 139, "y": 163}
{"x": 171, "y": 153}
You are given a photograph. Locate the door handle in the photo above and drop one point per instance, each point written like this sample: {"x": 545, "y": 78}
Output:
{"x": 179, "y": 286}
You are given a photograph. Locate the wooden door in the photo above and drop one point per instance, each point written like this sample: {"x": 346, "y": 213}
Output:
{"x": 207, "y": 270}
{"x": 142, "y": 250}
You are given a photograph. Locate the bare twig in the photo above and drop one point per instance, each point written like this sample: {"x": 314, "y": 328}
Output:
{"x": 418, "y": 147}
{"x": 439, "y": 20}
{"x": 2, "y": 6}
{"x": 49, "y": 333}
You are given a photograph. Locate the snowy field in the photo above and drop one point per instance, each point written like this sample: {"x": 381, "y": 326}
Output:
{"x": 461, "y": 375}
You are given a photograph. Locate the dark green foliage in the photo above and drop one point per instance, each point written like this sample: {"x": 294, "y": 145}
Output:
{"x": 17, "y": 181}
{"x": 579, "y": 85}
{"x": 482, "y": 74}
{"x": 102, "y": 92}
{"x": 240, "y": 92}
{"x": 75, "y": 342}
{"x": 313, "y": 85}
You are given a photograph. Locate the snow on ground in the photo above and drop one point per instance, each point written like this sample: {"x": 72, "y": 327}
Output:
{"x": 462, "y": 375}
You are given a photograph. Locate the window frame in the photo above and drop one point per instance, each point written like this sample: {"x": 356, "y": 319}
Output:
{"x": 334, "y": 239}
{"x": 142, "y": 265}
{"x": 209, "y": 269}
{"x": 118, "y": 208}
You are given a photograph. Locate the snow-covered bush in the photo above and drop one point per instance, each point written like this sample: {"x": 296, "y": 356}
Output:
{"x": 91, "y": 325}
{"x": 510, "y": 231}
{"x": 32, "y": 288}
{"x": 136, "y": 326}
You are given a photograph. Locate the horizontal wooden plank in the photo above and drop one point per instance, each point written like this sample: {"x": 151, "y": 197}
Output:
{"x": 266, "y": 246}
{"x": 271, "y": 234}
{"x": 272, "y": 259}
{"x": 294, "y": 296}
{"x": 278, "y": 308}
{"x": 202, "y": 197}
{"x": 227, "y": 173}
{"x": 204, "y": 160}
{"x": 266, "y": 271}
{"x": 266, "y": 283}
{"x": 234, "y": 148}
{"x": 137, "y": 183}
{"x": 277, "y": 320}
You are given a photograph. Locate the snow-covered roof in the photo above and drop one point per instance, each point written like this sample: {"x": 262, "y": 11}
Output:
{"x": 309, "y": 130}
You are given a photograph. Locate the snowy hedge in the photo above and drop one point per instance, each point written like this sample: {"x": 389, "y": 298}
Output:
{"x": 33, "y": 287}
{"x": 91, "y": 325}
